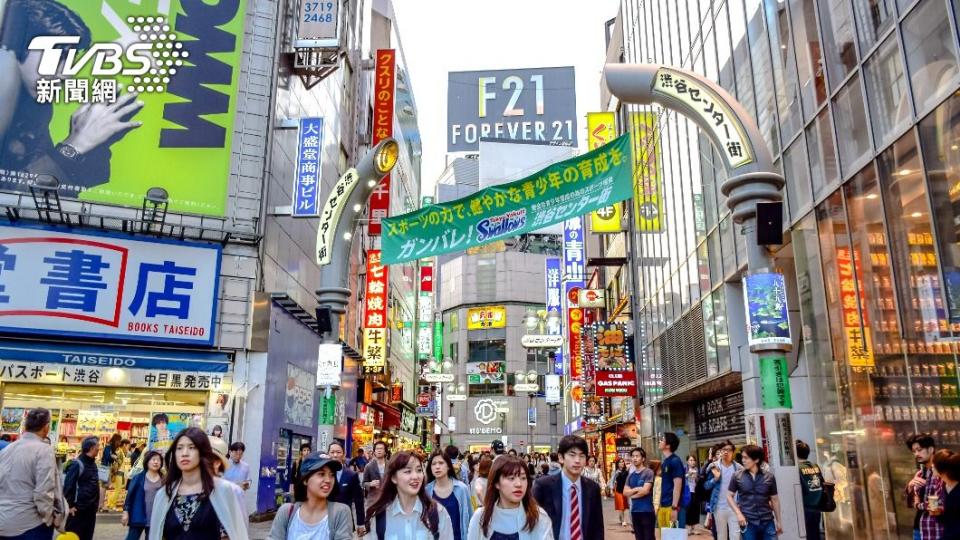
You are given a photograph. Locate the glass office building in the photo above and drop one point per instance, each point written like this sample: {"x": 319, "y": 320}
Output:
{"x": 858, "y": 101}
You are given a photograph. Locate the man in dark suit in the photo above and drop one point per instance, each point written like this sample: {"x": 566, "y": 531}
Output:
{"x": 348, "y": 489}
{"x": 572, "y": 501}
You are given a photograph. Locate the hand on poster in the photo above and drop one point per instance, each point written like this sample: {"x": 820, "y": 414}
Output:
{"x": 95, "y": 124}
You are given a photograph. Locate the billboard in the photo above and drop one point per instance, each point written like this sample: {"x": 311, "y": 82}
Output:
{"x": 601, "y": 129}
{"x": 562, "y": 191}
{"x": 493, "y": 372}
{"x": 384, "y": 81}
{"x": 647, "y": 183}
{"x": 481, "y": 318}
{"x": 124, "y": 97}
{"x": 538, "y": 104}
{"x": 765, "y": 302}
{"x": 306, "y": 196}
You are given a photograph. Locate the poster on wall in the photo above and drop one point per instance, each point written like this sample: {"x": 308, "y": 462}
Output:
{"x": 12, "y": 418}
{"x": 164, "y": 426}
{"x": 218, "y": 415}
{"x": 486, "y": 372}
{"x": 298, "y": 407}
{"x": 146, "y": 98}
{"x": 765, "y": 303}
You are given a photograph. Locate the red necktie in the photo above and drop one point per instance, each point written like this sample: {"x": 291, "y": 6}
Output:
{"x": 574, "y": 514}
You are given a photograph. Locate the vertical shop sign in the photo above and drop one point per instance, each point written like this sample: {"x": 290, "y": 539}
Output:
{"x": 775, "y": 383}
{"x": 425, "y": 314}
{"x": 573, "y": 275}
{"x": 554, "y": 306}
{"x": 601, "y": 129}
{"x": 375, "y": 315}
{"x": 647, "y": 184}
{"x": 383, "y": 90}
{"x": 437, "y": 337}
{"x": 857, "y": 336}
{"x": 309, "y": 150}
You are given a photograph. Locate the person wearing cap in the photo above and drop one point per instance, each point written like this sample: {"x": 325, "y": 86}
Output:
{"x": 318, "y": 516}
{"x": 221, "y": 466}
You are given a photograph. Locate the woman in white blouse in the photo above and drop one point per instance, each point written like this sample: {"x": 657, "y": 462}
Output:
{"x": 509, "y": 509}
{"x": 403, "y": 510}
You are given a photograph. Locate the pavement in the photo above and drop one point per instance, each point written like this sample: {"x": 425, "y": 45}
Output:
{"x": 109, "y": 528}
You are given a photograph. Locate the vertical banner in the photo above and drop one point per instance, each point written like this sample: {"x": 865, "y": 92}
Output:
{"x": 375, "y": 315}
{"x": 384, "y": 82}
{"x": 601, "y": 129}
{"x": 765, "y": 303}
{"x": 647, "y": 184}
{"x": 555, "y": 307}
{"x": 857, "y": 337}
{"x": 774, "y": 383}
{"x": 309, "y": 150}
{"x": 573, "y": 276}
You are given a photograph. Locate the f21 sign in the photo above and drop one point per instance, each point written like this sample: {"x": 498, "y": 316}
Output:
{"x": 531, "y": 105}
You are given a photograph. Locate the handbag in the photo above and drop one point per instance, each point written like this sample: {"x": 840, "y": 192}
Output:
{"x": 827, "y": 501}
{"x": 673, "y": 533}
{"x": 103, "y": 473}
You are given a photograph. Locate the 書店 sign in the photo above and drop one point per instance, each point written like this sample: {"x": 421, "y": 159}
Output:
{"x": 554, "y": 307}
{"x": 765, "y": 302}
{"x": 107, "y": 286}
{"x": 561, "y": 191}
{"x": 306, "y": 194}
{"x": 329, "y": 364}
{"x": 330, "y": 215}
{"x": 538, "y": 104}
{"x": 486, "y": 317}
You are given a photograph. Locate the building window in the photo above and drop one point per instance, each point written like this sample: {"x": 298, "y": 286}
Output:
{"x": 823, "y": 155}
{"x": 798, "y": 178}
{"x": 853, "y": 133}
{"x": 886, "y": 92}
{"x": 931, "y": 53}
{"x": 839, "y": 47}
{"x": 874, "y": 17}
{"x": 813, "y": 86}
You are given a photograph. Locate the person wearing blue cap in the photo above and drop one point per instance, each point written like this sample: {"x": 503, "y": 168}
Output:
{"x": 317, "y": 517}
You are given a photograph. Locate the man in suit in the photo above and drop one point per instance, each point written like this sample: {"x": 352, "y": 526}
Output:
{"x": 572, "y": 501}
{"x": 374, "y": 471}
{"x": 348, "y": 490}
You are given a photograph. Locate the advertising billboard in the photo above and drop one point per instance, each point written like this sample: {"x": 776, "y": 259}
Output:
{"x": 384, "y": 81}
{"x": 493, "y": 372}
{"x": 482, "y": 318}
{"x": 123, "y": 97}
{"x": 375, "y": 315}
{"x": 765, "y": 300}
{"x": 538, "y": 104}
{"x": 647, "y": 183}
{"x": 601, "y": 129}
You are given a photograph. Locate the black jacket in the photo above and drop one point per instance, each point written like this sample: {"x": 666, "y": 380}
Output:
{"x": 81, "y": 487}
{"x": 548, "y": 491}
{"x": 350, "y": 494}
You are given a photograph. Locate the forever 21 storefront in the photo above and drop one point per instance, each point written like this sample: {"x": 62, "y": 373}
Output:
{"x": 66, "y": 302}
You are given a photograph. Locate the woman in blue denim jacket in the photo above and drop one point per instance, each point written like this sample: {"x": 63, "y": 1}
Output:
{"x": 449, "y": 492}
{"x": 718, "y": 476}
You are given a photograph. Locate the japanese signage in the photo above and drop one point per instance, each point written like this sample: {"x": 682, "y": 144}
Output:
{"x": 774, "y": 383}
{"x": 493, "y": 372}
{"x": 573, "y": 280}
{"x": 306, "y": 194}
{"x": 425, "y": 314}
{"x": 562, "y": 191}
{"x": 330, "y": 216}
{"x": 517, "y": 104}
{"x": 719, "y": 417}
{"x": 384, "y": 86}
{"x": 318, "y": 20}
{"x": 375, "y": 315}
{"x": 329, "y": 364}
{"x": 86, "y": 285}
{"x": 541, "y": 341}
{"x": 298, "y": 397}
{"x": 710, "y": 109}
{"x": 606, "y": 351}
{"x": 328, "y": 410}
{"x": 427, "y": 403}
{"x": 149, "y": 99}
{"x": 56, "y": 373}
{"x": 551, "y": 388}
{"x": 555, "y": 307}
{"x": 859, "y": 352}
{"x": 601, "y": 129}
{"x": 765, "y": 303}
{"x": 486, "y": 317}
{"x": 616, "y": 383}
{"x": 437, "y": 338}
{"x": 592, "y": 298}
{"x": 531, "y": 416}
{"x": 647, "y": 182}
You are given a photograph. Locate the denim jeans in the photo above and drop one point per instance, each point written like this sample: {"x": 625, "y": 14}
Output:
{"x": 760, "y": 531}
{"x": 40, "y": 532}
{"x": 136, "y": 532}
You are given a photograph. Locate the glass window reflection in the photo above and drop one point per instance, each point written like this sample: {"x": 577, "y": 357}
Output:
{"x": 853, "y": 135}
{"x": 931, "y": 53}
{"x": 887, "y": 92}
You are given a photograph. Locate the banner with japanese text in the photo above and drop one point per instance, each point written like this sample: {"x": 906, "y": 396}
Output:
{"x": 569, "y": 188}
{"x": 375, "y": 315}
{"x": 384, "y": 87}
{"x": 306, "y": 196}
{"x": 107, "y": 286}
{"x": 121, "y": 96}
{"x": 601, "y": 129}
{"x": 647, "y": 183}
{"x": 858, "y": 338}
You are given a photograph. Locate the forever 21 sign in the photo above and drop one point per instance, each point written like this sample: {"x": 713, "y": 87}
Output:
{"x": 719, "y": 417}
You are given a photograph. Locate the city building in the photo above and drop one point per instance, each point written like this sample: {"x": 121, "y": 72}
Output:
{"x": 856, "y": 100}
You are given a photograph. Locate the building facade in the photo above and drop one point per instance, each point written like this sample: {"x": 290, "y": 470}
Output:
{"x": 856, "y": 101}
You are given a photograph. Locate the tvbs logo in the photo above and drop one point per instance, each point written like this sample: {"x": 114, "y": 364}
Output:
{"x": 148, "y": 64}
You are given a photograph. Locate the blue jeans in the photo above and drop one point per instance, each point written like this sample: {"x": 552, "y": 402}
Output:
{"x": 760, "y": 531}
{"x": 135, "y": 532}
{"x": 40, "y": 532}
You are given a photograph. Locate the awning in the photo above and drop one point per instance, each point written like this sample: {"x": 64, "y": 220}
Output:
{"x": 391, "y": 415}
{"x": 107, "y": 356}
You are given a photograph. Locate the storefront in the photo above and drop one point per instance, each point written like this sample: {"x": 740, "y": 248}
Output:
{"x": 717, "y": 419}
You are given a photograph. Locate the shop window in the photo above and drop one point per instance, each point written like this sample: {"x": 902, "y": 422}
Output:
{"x": 798, "y": 178}
{"x": 886, "y": 92}
{"x": 874, "y": 17}
{"x": 853, "y": 134}
{"x": 720, "y": 329}
{"x": 823, "y": 154}
{"x": 839, "y": 47}
{"x": 931, "y": 52}
{"x": 710, "y": 336}
{"x": 813, "y": 86}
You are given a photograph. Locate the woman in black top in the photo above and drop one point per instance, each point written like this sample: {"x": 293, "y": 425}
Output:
{"x": 619, "y": 480}
{"x": 946, "y": 463}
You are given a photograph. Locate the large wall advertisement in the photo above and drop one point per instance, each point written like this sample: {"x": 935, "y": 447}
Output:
{"x": 112, "y": 98}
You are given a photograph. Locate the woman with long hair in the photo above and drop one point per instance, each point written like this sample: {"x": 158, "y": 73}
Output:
{"x": 691, "y": 479}
{"x": 617, "y": 481}
{"x": 478, "y": 487}
{"x": 509, "y": 509}
{"x": 318, "y": 518}
{"x": 403, "y": 505}
{"x": 449, "y": 492}
{"x": 141, "y": 492}
{"x": 593, "y": 471}
{"x": 107, "y": 458}
{"x": 195, "y": 504}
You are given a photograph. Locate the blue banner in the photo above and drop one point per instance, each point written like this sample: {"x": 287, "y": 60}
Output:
{"x": 309, "y": 149}
{"x": 121, "y": 357}
{"x": 555, "y": 306}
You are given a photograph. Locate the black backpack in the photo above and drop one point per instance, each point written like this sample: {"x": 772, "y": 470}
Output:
{"x": 433, "y": 517}
{"x": 827, "y": 502}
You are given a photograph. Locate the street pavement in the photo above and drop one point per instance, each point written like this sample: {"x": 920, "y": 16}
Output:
{"x": 109, "y": 528}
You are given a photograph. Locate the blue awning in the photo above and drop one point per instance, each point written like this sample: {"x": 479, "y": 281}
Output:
{"x": 110, "y": 356}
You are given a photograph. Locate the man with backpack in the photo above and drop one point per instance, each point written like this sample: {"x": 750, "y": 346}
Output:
{"x": 812, "y": 486}
{"x": 82, "y": 490}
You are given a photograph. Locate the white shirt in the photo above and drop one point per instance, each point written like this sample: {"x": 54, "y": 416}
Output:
{"x": 404, "y": 526}
{"x": 565, "y": 521}
{"x": 510, "y": 521}
{"x": 300, "y": 530}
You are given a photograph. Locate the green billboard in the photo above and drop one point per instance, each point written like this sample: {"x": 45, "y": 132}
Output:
{"x": 566, "y": 189}
{"x": 113, "y": 97}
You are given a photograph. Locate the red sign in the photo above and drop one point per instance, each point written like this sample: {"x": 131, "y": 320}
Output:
{"x": 375, "y": 314}
{"x": 383, "y": 90}
{"x": 616, "y": 383}
{"x": 575, "y": 326}
{"x": 423, "y": 399}
{"x": 426, "y": 279}
{"x": 396, "y": 392}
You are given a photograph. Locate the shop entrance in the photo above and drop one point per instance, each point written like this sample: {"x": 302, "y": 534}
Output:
{"x": 288, "y": 454}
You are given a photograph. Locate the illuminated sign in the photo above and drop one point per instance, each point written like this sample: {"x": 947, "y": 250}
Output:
{"x": 375, "y": 315}
{"x": 601, "y": 129}
{"x": 330, "y": 215}
{"x": 486, "y": 317}
{"x": 384, "y": 86}
{"x": 857, "y": 337}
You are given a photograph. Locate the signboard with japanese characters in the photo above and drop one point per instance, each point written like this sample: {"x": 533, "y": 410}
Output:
{"x": 573, "y": 280}
{"x": 765, "y": 301}
{"x": 857, "y": 336}
{"x": 330, "y": 215}
{"x": 719, "y": 417}
{"x": 306, "y": 194}
{"x": 84, "y": 285}
{"x": 384, "y": 86}
{"x": 551, "y": 392}
{"x": 648, "y": 196}
{"x": 83, "y": 375}
{"x": 711, "y": 109}
{"x": 375, "y": 315}
{"x": 482, "y": 318}
{"x": 555, "y": 307}
{"x": 329, "y": 364}
{"x": 601, "y": 129}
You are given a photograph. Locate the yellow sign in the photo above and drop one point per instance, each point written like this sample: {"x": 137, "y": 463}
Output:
{"x": 482, "y": 318}
{"x": 647, "y": 184}
{"x": 374, "y": 350}
{"x": 601, "y": 129}
{"x": 858, "y": 352}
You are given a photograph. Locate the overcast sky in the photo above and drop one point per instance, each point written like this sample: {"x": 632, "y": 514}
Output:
{"x": 440, "y": 36}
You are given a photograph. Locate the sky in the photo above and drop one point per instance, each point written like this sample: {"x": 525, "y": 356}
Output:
{"x": 439, "y": 36}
